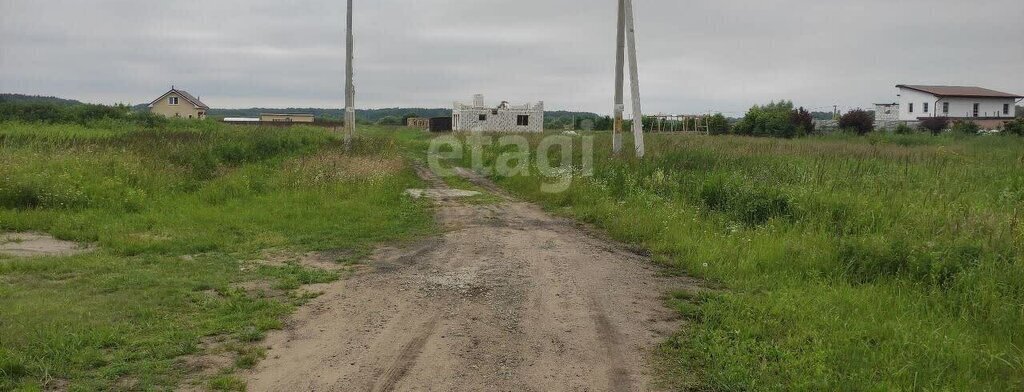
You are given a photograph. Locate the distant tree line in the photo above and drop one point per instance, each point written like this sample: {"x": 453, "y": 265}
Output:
{"x": 21, "y": 98}
{"x": 73, "y": 112}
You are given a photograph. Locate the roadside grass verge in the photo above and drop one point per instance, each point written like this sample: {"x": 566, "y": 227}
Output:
{"x": 880, "y": 263}
{"x": 177, "y": 215}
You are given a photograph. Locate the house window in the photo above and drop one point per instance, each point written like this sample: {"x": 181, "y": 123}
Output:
{"x": 523, "y": 120}
{"x": 945, "y": 107}
{"x": 494, "y": 112}
{"x": 172, "y": 100}
{"x": 925, "y": 107}
{"x": 483, "y": 117}
{"x": 911, "y": 105}
{"x": 977, "y": 109}
{"x": 1006, "y": 108}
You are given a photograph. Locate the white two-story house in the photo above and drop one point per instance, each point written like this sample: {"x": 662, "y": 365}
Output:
{"x": 956, "y": 103}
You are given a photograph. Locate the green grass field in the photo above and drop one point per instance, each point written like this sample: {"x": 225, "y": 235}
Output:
{"x": 175, "y": 215}
{"x": 834, "y": 263}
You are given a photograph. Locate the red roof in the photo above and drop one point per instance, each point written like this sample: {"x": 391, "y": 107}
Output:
{"x": 960, "y": 91}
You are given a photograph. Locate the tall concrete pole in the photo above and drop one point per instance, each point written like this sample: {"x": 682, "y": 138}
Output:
{"x": 350, "y": 87}
{"x": 634, "y": 81}
{"x": 620, "y": 64}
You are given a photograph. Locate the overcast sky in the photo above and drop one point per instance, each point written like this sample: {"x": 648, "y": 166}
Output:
{"x": 695, "y": 56}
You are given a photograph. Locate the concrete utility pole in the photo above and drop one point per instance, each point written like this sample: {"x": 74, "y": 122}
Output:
{"x": 350, "y": 87}
{"x": 634, "y": 81}
{"x": 627, "y": 37}
{"x": 620, "y": 64}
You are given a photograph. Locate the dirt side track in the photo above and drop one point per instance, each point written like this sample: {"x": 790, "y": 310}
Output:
{"x": 509, "y": 299}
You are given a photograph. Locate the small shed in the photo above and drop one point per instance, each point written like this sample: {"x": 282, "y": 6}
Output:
{"x": 418, "y": 123}
{"x": 441, "y": 124}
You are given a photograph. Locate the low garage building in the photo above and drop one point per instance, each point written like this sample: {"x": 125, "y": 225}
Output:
{"x": 287, "y": 117}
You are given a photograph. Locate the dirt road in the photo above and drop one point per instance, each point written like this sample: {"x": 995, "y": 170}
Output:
{"x": 508, "y": 299}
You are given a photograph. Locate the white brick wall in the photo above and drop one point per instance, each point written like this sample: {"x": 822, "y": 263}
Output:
{"x": 502, "y": 118}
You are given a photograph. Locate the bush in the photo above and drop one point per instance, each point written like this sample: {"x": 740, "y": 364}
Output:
{"x": 777, "y": 119}
{"x": 803, "y": 120}
{"x": 903, "y": 129}
{"x": 389, "y": 120}
{"x": 965, "y": 127}
{"x": 748, "y": 204}
{"x": 1015, "y": 127}
{"x": 859, "y": 121}
{"x": 935, "y": 125}
{"x": 82, "y": 114}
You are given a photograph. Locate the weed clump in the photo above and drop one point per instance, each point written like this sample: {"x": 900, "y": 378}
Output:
{"x": 747, "y": 204}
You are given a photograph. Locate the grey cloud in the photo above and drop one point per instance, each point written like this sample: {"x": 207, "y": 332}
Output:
{"x": 695, "y": 56}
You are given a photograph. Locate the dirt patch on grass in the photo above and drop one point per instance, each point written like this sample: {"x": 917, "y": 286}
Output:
{"x": 212, "y": 358}
{"x": 331, "y": 260}
{"x": 260, "y": 289}
{"x": 56, "y": 385}
{"x": 37, "y": 245}
{"x": 440, "y": 194}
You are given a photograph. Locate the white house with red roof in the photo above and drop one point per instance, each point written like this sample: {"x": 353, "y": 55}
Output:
{"x": 955, "y": 102}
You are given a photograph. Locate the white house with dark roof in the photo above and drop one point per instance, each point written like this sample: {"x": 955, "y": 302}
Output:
{"x": 179, "y": 104}
{"x": 955, "y": 102}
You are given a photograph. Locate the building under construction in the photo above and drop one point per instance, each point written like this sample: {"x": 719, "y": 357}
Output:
{"x": 502, "y": 118}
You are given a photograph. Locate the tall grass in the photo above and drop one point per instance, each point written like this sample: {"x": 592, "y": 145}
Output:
{"x": 845, "y": 263}
{"x": 175, "y": 214}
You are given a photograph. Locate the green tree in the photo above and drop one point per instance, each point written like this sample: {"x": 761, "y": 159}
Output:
{"x": 718, "y": 124}
{"x": 603, "y": 123}
{"x": 775, "y": 119}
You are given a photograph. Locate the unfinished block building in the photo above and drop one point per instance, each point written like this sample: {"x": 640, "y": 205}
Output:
{"x": 502, "y": 118}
